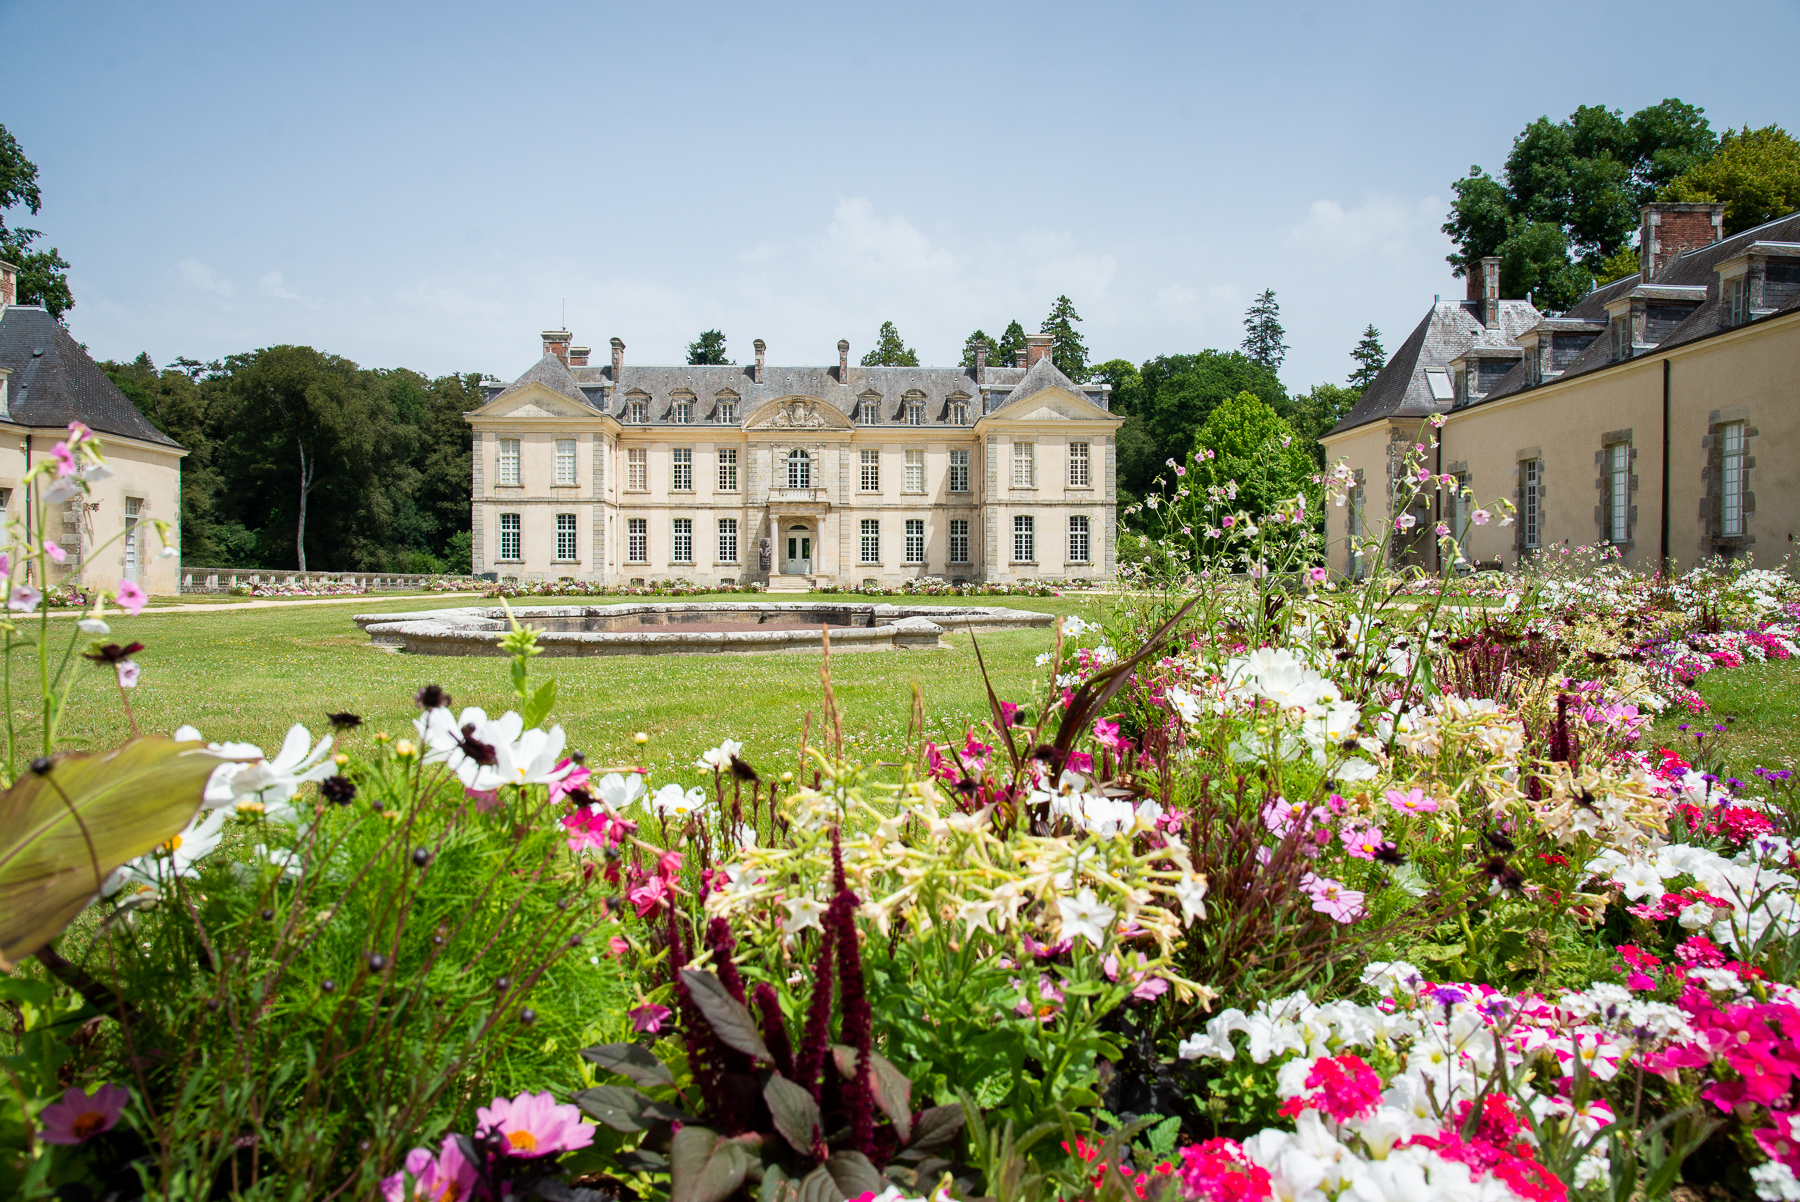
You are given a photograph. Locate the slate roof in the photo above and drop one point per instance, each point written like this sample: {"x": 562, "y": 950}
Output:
{"x": 1401, "y": 389}
{"x": 1692, "y": 269}
{"x": 1041, "y": 376}
{"x": 892, "y": 387}
{"x": 54, "y": 382}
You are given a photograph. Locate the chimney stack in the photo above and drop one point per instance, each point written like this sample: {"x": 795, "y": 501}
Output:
{"x": 618, "y": 350}
{"x": 981, "y": 354}
{"x": 1037, "y": 346}
{"x": 1670, "y": 230}
{"x": 843, "y": 361}
{"x": 556, "y": 342}
{"x": 1490, "y": 291}
{"x": 761, "y": 348}
{"x": 9, "y": 284}
{"x": 578, "y": 356}
{"x": 1019, "y": 358}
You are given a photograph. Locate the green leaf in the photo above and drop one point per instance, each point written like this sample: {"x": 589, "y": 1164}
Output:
{"x": 729, "y": 1018}
{"x": 795, "y": 1113}
{"x": 630, "y": 1061}
{"x": 130, "y": 801}
{"x": 893, "y": 1092}
{"x": 705, "y": 1168}
{"x": 625, "y": 1109}
{"x": 538, "y": 708}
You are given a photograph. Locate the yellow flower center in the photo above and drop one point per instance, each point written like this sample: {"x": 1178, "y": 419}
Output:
{"x": 524, "y": 1141}
{"x": 170, "y": 847}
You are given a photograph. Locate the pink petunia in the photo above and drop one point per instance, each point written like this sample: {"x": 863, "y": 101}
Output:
{"x": 446, "y": 1177}
{"x": 1412, "y": 801}
{"x": 80, "y": 1115}
{"x": 533, "y": 1125}
{"x": 132, "y": 599}
{"x": 617, "y": 945}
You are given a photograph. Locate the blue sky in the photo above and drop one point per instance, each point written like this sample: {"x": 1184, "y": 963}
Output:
{"x": 428, "y": 185}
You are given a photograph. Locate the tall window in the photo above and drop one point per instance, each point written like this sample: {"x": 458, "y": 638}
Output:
{"x": 1079, "y": 474}
{"x": 799, "y": 469}
{"x": 959, "y": 540}
{"x": 637, "y": 411}
{"x": 727, "y": 540}
{"x": 1078, "y": 538}
{"x": 1731, "y": 443}
{"x": 959, "y": 471}
{"x": 1618, "y": 492}
{"x": 637, "y": 540}
{"x": 681, "y": 469}
{"x": 868, "y": 412}
{"x": 681, "y": 544}
{"x": 959, "y": 413}
{"x": 509, "y": 536}
{"x": 728, "y": 469}
{"x": 1737, "y": 302}
{"x": 871, "y": 471}
{"x": 1621, "y": 337}
{"x": 915, "y": 471}
{"x": 1024, "y": 539}
{"x": 871, "y": 541}
{"x": 682, "y": 412}
{"x": 915, "y": 413}
{"x": 509, "y": 461}
{"x": 565, "y": 537}
{"x": 134, "y": 538}
{"x": 728, "y": 413}
{"x": 915, "y": 540}
{"x": 1459, "y": 506}
{"x": 565, "y": 461}
{"x": 1024, "y": 465}
{"x": 637, "y": 469}
{"x": 1531, "y": 475}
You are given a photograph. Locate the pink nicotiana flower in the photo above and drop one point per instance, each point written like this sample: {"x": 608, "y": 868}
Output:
{"x": 55, "y": 552}
{"x": 65, "y": 459}
{"x": 1318, "y": 575}
{"x": 1480, "y": 517}
{"x": 132, "y": 599}
{"x": 128, "y": 673}
{"x": 533, "y": 1125}
{"x": 24, "y": 599}
{"x": 649, "y": 1018}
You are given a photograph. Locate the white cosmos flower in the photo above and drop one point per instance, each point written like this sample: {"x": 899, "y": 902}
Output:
{"x": 278, "y": 779}
{"x": 720, "y": 757}
{"x": 615, "y": 791}
{"x": 1086, "y": 916}
{"x": 672, "y": 801}
{"x": 180, "y": 856}
{"x": 532, "y": 759}
{"x": 1183, "y": 703}
{"x": 219, "y": 791}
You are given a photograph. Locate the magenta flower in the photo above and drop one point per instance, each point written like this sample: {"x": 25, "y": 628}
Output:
{"x": 443, "y": 1178}
{"x": 1318, "y": 575}
{"x": 55, "y": 552}
{"x": 577, "y": 778}
{"x": 1413, "y": 801}
{"x": 1332, "y": 899}
{"x": 533, "y": 1125}
{"x": 65, "y": 459}
{"x": 80, "y": 1116}
{"x": 132, "y": 599}
{"x": 648, "y": 1018}
{"x": 1363, "y": 844}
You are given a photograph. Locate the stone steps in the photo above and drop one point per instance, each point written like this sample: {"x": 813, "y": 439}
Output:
{"x": 790, "y": 584}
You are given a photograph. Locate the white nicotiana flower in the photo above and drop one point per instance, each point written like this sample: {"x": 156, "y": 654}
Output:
{"x": 1190, "y": 890}
{"x": 803, "y": 912}
{"x": 1086, "y": 916}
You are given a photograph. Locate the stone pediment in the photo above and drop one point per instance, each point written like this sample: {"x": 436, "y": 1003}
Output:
{"x": 798, "y": 413}
{"x": 534, "y": 400}
{"x": 1050, "y": 405}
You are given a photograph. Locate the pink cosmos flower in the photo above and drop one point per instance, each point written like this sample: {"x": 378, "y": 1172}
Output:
{"x": 55, "y": 552}
{"x": 447, "y": 1177}
{"x": 1363, "y": 844}
{"x": 65, "y": 459}
{"x": 80, "y": 1115}
{"x": 533, "y": 1125}
{"x": 648, "y": 1018}
{"x": 1413, "y": 801}
{"x": 132, "y": 599}
{"x": 576, "y": 779}
{"x": 1332, "y": 899}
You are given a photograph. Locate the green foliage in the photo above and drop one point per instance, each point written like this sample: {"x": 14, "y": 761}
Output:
{"x": 1755, "y": 174}
{"x": 1617, "y": 267}
{"x": 708, "y": 349}
{"x": 1251, "y": 444}
{"x": 1315, "y": 414}
{"x": 1011, "y": 345}
{"x": 1264, "y": 339}
{"x": 1370, "y": 359}
{"x": 1067, "y": 350}
{"x": 1571, "y": 195}
{"x": 968, "y": 351}
{"x": 1173, "y": 395}
{"x": 43, "y": 274}
{"x": 890, "y": 350}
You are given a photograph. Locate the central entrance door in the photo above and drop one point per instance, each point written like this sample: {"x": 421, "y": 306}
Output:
{"x": 799, "y": 551}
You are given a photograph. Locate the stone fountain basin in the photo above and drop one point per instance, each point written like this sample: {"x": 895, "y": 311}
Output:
{"x": 691, "y": 627}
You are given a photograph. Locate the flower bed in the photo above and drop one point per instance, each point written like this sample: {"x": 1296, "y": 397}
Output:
{"x": 1312, "y": 890}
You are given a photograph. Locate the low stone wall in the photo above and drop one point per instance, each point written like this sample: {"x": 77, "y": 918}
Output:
{"x": 223, "y": 580}
{"x": 657, "y": 629}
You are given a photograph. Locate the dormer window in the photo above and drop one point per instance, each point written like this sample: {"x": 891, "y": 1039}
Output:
{"x": 682, "y": 411}
{"x": 1621, "y": 337}
{"x": 728, "y": 413}
{"x": 915, "y": 413}
{"x": 868, "y": 411}
{"x": 637, "y": 410}
{"x": 1439, "y": 381}
{"x": 959, "y": 413}
{"x": 1737, "y": 301}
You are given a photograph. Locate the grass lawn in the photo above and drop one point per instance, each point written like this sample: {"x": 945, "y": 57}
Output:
{"x": 1763, "y": 701}
{"x": 248, "y": 674}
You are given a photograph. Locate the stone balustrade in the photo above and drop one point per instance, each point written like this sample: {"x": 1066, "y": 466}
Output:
{"x": 224, "y": 580}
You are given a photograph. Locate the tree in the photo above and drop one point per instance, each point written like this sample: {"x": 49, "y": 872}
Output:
{"x": 1253, "y": 446}
{"x": 968, "y": 351}
{"x": 890, "y": 350}
{"x": 1370, "y": 359}
{"x": 1127, "y": 383}
{"x": 43, "y": 274}
{"x": 1172, "y": 398}
{"x": 1006, "y": 352}
{"x": 708, "y": 350}
{"x": 1755, "y": 174}
{"x": 1067, "y": 351}
{"x": 1571, "y": 196}
{"x": 1264, "y": 339}
{"x": 1315, "y": 415}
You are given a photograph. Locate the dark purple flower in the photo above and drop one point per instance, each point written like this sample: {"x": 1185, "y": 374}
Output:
{"x": 1448, "y": 995}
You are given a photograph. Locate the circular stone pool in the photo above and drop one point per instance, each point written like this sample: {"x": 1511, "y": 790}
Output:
{"x": 691, "y": 627}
